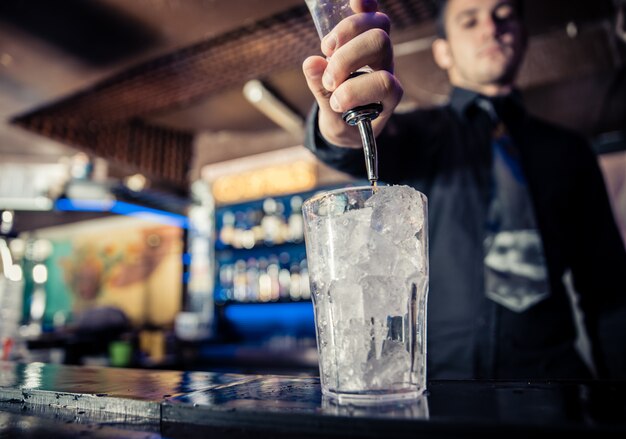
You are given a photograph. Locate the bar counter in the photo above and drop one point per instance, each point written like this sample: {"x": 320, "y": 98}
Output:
{"x": 52, "y": 401}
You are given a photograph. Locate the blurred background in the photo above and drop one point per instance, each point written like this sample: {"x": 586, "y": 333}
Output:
{"x": 152, "y": 173}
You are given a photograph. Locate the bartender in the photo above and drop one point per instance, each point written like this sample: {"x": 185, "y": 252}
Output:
{"x": 517, "y": 205}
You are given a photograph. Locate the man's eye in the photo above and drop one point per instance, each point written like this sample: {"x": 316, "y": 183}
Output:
{"x": 468, "y": 23}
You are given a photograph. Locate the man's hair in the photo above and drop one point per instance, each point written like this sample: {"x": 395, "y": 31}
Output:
{"x": 441, "y": 15}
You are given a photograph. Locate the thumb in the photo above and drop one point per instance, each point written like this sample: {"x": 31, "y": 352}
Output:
{"x": 313, "y": 68}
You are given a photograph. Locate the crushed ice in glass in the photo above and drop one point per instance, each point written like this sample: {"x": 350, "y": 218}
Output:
{"x": 368, "y": 260}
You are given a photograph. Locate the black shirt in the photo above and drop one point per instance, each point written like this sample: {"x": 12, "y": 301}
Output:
{"x": 446, "y": 153}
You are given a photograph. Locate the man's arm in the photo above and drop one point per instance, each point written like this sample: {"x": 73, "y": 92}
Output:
{"x": 599, "y": 268}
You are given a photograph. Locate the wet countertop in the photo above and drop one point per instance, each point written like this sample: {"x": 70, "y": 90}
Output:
{"x": 45, "y": 400}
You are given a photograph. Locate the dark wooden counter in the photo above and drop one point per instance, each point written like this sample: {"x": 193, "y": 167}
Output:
{"x": 42, "y": 400}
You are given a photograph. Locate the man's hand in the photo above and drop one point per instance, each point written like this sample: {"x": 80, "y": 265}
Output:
{"x": 357, "y": 41}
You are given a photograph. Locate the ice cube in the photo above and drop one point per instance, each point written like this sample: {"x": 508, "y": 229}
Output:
{"x": 397, "y": 211}
{"x": 352, "y": 344}
{"x": 411, "y": 259}
{"x": 385, "y": 296}
{"x": 348, "y": 241}
{"x": 378, "y": 257}
{"x": 393, "y": 367}
{"x": 345, "y": 300}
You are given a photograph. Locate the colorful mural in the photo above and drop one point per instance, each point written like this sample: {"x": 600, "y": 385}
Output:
{"x": 133, "y": 266}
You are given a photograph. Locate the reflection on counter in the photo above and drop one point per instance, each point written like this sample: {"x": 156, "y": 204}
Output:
{"x": 197, "y": 404}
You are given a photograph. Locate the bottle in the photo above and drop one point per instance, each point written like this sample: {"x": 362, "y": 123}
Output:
{"x": 256, "y": 218}
{"x": 295, "y": 222}
{"x": 252, "y": 280}
{"x": 284, "y": 276}
{"x": 228, "y": 228}
{"x": 305, "y": 287}
{"x": 282, "y": 233}
{"x": 273, "y": 271}
{"x": 225, "y": 292}
{"x": 11, "y": 303}
{"x": 271, "y": 223}
{"x": 295, "y": 292}
{"x": 240, "y": 229}
{"x": 239, "y": 281}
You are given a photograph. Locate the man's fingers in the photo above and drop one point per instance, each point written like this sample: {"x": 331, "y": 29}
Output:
{"x": 372, "y": 48}
{"x": 379, "y": 86}
{"x": 375, "y": 49}
{"x": 352, "y": 27}
{"x": 331, "y": 125}
{"x": 313, "y": 68}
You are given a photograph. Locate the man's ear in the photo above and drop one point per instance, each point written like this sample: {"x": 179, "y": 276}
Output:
{"x": 442, "y": 54}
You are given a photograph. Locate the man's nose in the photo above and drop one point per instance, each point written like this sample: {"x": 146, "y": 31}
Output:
{"x": 490, "y": 27}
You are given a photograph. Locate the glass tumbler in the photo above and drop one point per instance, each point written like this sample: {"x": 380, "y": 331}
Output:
{"x": 367, "y": 251}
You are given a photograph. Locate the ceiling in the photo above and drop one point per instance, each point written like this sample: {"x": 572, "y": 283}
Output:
{"x": 48, "y": 54}
{"x": 100, "y": 75}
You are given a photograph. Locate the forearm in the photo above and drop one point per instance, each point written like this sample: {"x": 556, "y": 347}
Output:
{"x": 609, "y": 349}
{"x": 599, "y": 268}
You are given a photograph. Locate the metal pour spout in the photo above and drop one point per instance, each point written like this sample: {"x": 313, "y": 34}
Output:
{"x": 362, "y": 117}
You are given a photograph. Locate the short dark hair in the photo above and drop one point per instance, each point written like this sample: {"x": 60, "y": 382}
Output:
{"x": 441, "y": 15}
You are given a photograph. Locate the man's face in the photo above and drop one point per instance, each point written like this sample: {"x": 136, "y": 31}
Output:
{"x": 485, "y": 42}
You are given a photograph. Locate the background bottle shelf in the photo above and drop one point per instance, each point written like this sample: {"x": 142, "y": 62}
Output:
{"x": 260, "y": 254}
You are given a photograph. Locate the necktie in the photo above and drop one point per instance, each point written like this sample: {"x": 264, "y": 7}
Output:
{"x": 501, "y": 141}
{"x": 515, "y": 274}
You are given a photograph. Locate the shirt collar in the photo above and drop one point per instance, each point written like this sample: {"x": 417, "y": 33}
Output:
{"x": 461, "y": 99}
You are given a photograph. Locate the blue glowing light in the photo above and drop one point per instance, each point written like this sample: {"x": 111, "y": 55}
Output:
{"x": 253, "y": 320}
{"x": 123, "y": 208}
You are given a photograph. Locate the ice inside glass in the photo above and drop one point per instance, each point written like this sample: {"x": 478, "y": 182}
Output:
{"x": 368, "y": 265}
